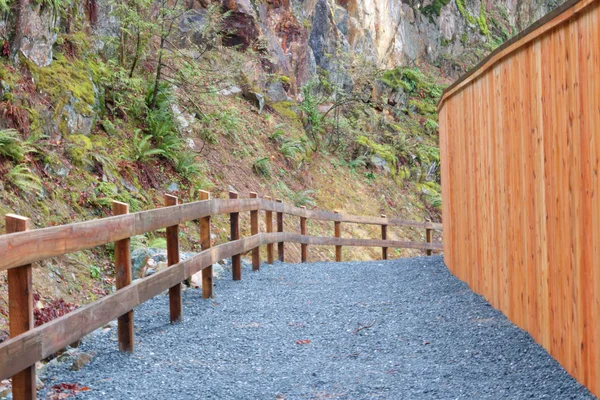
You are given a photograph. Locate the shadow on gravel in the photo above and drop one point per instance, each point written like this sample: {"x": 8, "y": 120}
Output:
{"x": 402, "y": 329}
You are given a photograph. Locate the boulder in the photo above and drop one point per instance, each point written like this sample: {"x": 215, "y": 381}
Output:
{"x": 230, "y": 91}
{"x": 77, "y": 122}
{"x": 276, "y": 92}
{"x": 39, "y": 34}
{"x": 258, "y": 99}
{"x": 139, "y": 259}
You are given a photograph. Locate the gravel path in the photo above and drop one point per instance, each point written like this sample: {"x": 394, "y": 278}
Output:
{"x": 402, "y": 329}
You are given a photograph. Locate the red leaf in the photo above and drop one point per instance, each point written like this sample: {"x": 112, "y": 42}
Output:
{"x": 305, "y": 341}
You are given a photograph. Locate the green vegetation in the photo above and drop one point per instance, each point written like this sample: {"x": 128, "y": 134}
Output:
{"x": 12, "y": 146}
{"x": 435, "y": 7}
{"x": 262, "y": 166}
{"x": 24, "y": 179}
{"x": 479, "y": 21}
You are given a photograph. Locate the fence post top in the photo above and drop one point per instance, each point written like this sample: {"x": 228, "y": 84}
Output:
{"x": 119, "y": 207}
{"x": 253, "y": 195}
{"x": 203, "y": 195}
{"x": 279, "y": 200}
{"x": 233, "y": 195}
{"x": 171, "y": 200}
{"x": 17, "y": 217}
{"x": 268, "y": 198}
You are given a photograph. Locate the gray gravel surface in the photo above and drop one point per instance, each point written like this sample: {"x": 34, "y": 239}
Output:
{"x": 424, "y": 335}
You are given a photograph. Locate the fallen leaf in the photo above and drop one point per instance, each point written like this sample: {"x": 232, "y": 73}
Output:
{"x": 305, "y": 341}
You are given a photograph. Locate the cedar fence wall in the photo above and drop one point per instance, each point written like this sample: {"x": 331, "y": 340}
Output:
{"x": 520, "y": 144}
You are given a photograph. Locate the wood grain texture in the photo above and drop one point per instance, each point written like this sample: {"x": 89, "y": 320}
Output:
{"x": 254, "y": 231}
{"x": 122, "y": 280}
{"x": 520, "y": 146}
{"x": 207, "y": 273}
{"x": 269, "y": 227}
{"x": 428, "y": 239}
{"x": 303, "y": 247}
{"x": 280, "y": 245}
{"x": 41, "y": 244}
{"x": 175, "y": 302}
{"x": 384, "y": 250}
{"x": 236, "y": 259}
{"x": 20, "y": 309}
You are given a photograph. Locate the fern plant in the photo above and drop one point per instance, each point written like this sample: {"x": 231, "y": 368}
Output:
{"x": 24, "y": 179}
{"x": 142, "y": 147}
{"x": 186, "y": 165}
{"x": 290, "y": 148}
{"x": 12, "y": 146}
{"x": 262, "y": 166}
{"x": 358, "y": 162}
{"x": 304, "y": 198}
{"x": 278, "y": 133}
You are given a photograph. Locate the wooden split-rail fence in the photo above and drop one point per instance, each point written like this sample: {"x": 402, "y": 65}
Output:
{"x": 21, "y": 247}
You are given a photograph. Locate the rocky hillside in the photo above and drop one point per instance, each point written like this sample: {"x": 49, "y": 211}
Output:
{"x": 318, "y": 103}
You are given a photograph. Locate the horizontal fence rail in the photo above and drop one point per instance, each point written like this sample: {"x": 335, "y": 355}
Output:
{"x": 28, "y": 247}
{"x": 19, "y": 250}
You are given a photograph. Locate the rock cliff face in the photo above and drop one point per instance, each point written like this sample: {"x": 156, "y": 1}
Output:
{"x": 297, "y": 36}
{"x": 451, "y": 34}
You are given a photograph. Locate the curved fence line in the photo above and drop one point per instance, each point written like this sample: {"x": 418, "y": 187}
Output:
{"x": 21, "y": 247}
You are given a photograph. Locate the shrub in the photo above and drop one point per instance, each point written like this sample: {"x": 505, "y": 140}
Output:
{"x": 142, "y": 147}
{"x": 289, "y": 148}
{"x": 262, "y": 166}
{"x": 186, "y": 165}
{"x": 304, "y": 198}
{"x": 12, "y": 146}
{"x": 22, "y": 178}
{"x": 360, "y": 161}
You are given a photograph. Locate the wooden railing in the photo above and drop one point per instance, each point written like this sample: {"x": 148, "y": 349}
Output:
{"x": 21, "y": 247}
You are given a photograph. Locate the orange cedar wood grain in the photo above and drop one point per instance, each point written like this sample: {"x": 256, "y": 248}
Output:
{"x": 520, "y": 184}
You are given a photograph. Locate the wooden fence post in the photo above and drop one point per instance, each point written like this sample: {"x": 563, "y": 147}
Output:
{"x": 303, "y": 246}
{"x": 429, "y": 238}
{"x": 20, "y": 310}
{"x": 123, "y": 278}
{"x": 269, "y": 223}
{"x": 337, "y": 230}
{"x": 207, "y": 273}
{"x": 236, "y": 259}
{"x": 175, "y": 305}
{"x": 280, "y": 252}
{"x": 254, "y": 231}
{"x": 384, "y": 250}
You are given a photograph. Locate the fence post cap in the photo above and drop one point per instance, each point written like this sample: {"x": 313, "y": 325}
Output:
{"x": 171, "y": 200}
{"x": 15, "y": 216}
